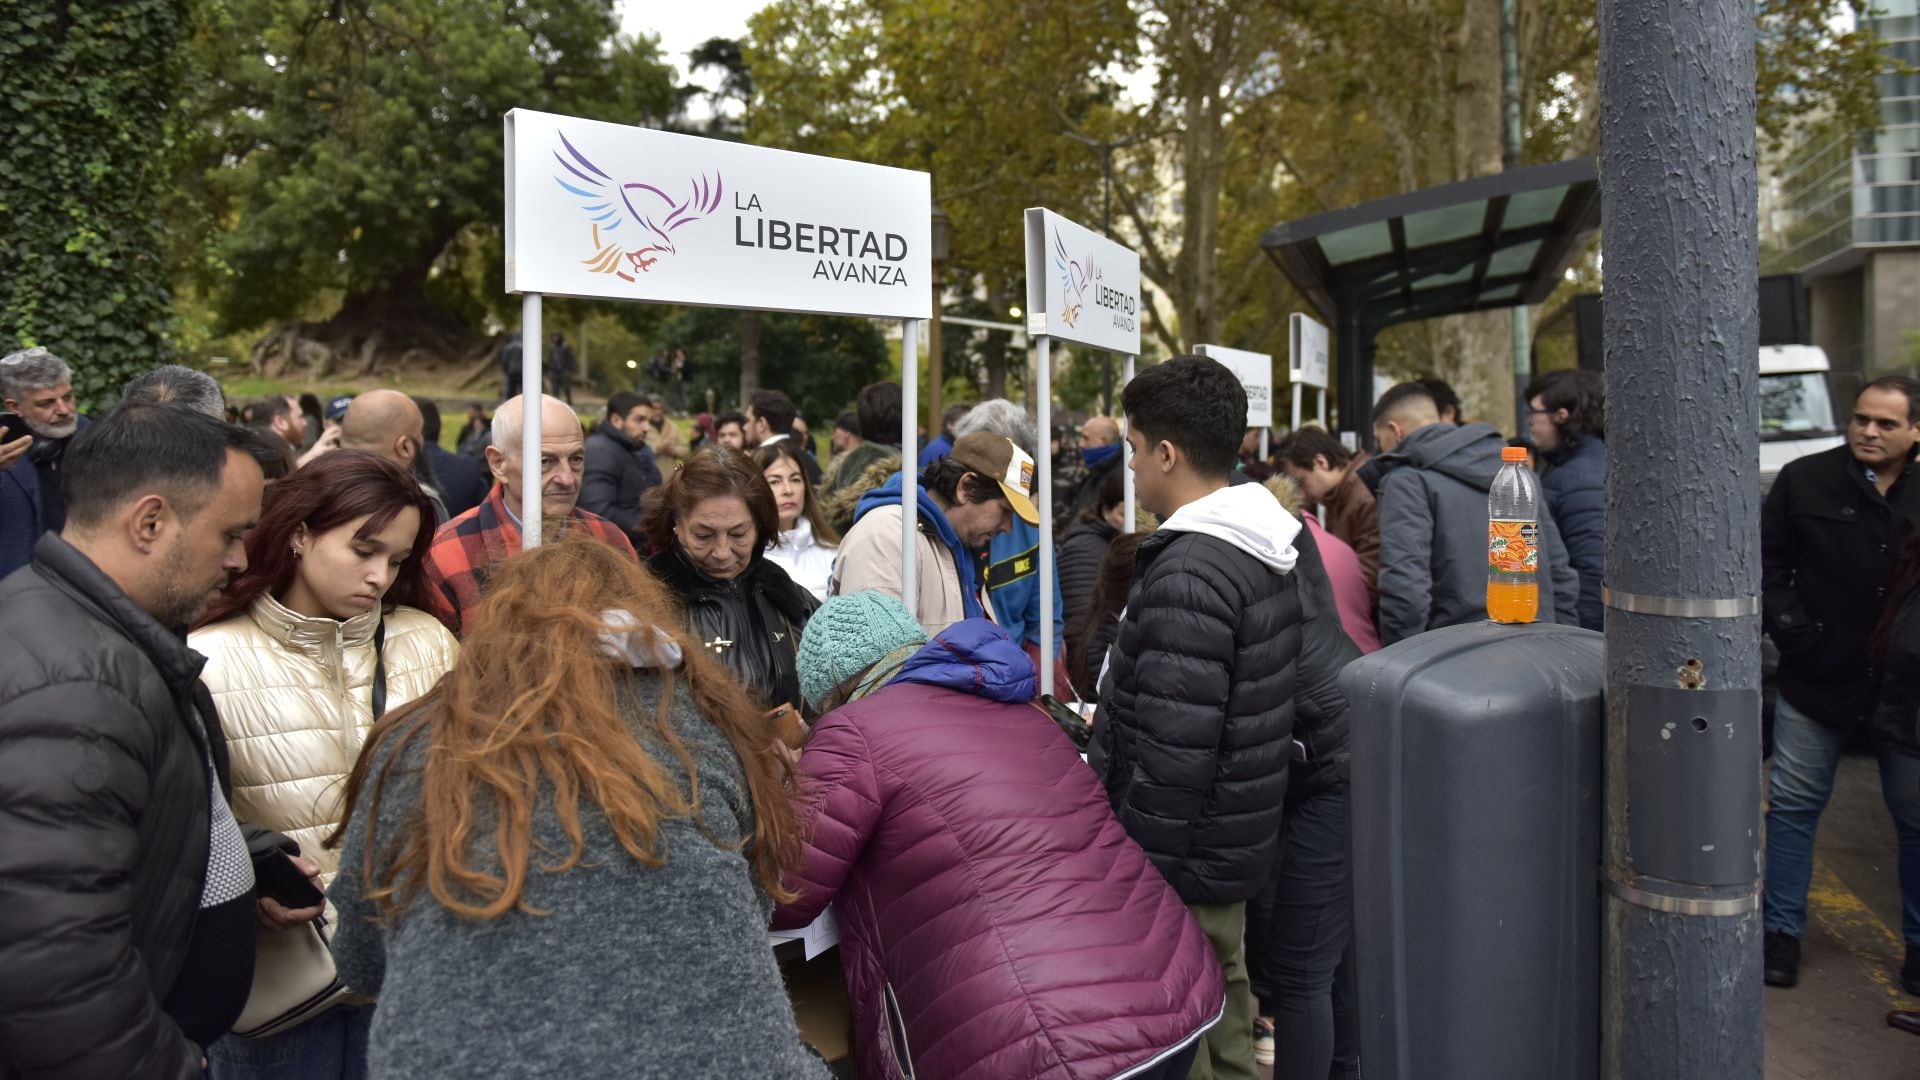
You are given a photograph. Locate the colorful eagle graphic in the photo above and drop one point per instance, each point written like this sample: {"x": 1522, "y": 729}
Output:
{"x": 654, "y": 214}
{"x": 1075, "y": 276}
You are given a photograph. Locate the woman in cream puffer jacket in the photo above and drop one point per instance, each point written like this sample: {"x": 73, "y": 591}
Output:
{"x": 290, "y": 645}
{"x": 295, "y": 695}
{"x": 326, "y": 617}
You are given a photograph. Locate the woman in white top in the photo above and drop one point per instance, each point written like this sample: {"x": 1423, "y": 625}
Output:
{"x": 807, "y": 544}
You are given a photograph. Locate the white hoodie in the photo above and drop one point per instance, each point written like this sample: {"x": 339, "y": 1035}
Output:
{"x": 1246, "y": 516}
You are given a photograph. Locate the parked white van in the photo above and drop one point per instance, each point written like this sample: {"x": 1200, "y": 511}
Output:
{"x": 1796, "y": 407}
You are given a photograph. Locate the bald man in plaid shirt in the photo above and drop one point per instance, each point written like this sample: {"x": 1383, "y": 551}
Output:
{"x": 466, "y": 549}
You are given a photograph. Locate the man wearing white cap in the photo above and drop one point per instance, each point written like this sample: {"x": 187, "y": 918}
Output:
{"x": 965, "y": 501}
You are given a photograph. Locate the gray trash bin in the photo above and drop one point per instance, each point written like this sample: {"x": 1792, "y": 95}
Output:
{"x": 1475, "y": 835}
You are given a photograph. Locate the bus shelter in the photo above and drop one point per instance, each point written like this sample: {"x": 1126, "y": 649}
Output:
{"x": 1477, "y": 245}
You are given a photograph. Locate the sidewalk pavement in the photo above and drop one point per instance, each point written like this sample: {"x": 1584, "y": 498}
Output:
{"x": 1833, "y": 1025}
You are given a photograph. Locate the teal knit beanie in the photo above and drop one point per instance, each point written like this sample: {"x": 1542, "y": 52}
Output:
{"x": 848, "y": 635}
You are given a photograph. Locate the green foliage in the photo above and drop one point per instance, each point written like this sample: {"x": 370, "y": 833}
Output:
{"x": 84, "y": 128}
{"x": 820, "y": 361}
{"x": 357, "y": 147}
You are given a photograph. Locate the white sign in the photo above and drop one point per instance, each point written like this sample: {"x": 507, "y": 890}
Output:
{"x": 1081, "y": 286}
{"x": 1255, "y": 372}
{"x": 1306, "y": 351}
{"x": 625, "y": 213}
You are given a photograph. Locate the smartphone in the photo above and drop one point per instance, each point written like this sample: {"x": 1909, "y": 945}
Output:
{"x": 12, "y": 427}
{"x": 278, "y": 879}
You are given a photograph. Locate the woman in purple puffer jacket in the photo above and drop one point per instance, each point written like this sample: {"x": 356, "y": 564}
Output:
{"x": 996, "y": 922}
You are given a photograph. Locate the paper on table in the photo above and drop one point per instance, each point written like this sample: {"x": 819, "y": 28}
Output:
{"x": 818, "y": 936}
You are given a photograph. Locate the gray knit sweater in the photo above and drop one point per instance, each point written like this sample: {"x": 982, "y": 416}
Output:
{"x": 634, "y": 971}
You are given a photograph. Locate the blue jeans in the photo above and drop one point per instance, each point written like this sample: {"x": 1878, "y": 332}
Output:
{"x": 1806, "y": 754}
{"x": 331, "y": 1046}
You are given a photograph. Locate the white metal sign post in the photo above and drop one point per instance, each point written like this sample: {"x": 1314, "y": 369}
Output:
{"x": 1255, "y": 372}
{"x": 1307, "y": 362}
{"x": 623, "y": 213}
{"x": 1082, "y": 288}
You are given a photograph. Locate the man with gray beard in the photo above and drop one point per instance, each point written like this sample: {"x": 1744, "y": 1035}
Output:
{"x": 36, "y": 390}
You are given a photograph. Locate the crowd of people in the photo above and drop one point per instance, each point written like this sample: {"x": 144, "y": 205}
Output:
{"x": 307, "y": 768}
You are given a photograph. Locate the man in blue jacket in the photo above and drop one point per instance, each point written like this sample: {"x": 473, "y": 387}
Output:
{"x": 1567, "y": 420}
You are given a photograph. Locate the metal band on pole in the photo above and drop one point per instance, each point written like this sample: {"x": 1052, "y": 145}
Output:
{"x": 1678, "y": 607}
{"x": 909, "y": 464}
{"x": 1126, "y": 459}
{"x": 1044, "y": 393}
{"x": 531, "y": 368}
{"x": 1685, "y": 905}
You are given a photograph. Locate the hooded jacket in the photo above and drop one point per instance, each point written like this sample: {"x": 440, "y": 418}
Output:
{"x": 995, "y": 919}
{"x": 752, "y": 623}
{"x": 1013, "y": 585}
{"x": 1433, "y": 534}
{"x": 1575, "y": 487}
{"x": 295, "y": 696}
{"x": 1195, "y": 726}
{"x": 946, "y": 587}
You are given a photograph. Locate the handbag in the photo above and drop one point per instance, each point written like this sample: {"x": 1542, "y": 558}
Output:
{"x": 294, "y": 979}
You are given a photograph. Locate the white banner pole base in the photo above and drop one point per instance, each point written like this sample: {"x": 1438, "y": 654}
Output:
{"x": 531, "y": 369}
{"x": 909, "y": 464}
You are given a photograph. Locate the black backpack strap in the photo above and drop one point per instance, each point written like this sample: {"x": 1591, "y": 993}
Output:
{"x": 379, "y": 669}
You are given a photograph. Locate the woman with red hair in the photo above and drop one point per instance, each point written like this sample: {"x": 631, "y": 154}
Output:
{"x": 320, "y": 634}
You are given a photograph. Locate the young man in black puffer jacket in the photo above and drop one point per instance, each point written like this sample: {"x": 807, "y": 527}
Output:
{"x": 1194, "y": 733}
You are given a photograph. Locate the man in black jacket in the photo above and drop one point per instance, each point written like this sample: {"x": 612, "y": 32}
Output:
{"x": 1829, "y": 539}
{"x": 1195, "y": 728}
{"x": 620, "y": 467}
{"x": 126, "y": 883}
{"x": 463, "y": 483}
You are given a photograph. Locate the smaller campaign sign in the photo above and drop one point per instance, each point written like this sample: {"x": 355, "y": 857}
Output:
{"x": 627, "y": 213}
{"x": 1081, "y": 286}
{"x": 1307, "y": 349}
{"x": 1255, "y": 372}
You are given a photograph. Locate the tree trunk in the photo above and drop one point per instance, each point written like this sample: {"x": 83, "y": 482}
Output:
{"x": 749, "y": 354}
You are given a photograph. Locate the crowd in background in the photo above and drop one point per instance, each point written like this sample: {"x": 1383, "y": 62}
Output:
{"x": 307, "y": 768}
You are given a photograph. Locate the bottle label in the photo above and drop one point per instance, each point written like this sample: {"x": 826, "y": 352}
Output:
{"x": 1513, "y": 546}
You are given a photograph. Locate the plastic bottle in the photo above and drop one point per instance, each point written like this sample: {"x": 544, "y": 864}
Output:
{"x": 1513, "y": 535}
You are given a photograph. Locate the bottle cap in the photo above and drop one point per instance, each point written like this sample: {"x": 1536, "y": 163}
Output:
{"x": 1513, "y": 453}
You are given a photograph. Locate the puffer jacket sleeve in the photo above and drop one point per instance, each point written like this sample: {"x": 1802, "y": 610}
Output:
{"x": 1577, "y": 497}
{"x": 1181, "y": 679}
{"x": 841, "y": 804}
{"x": 1562, "y": 578}
{"x": 1406, "y": 556}
{"x": 72, "y": 782}
{"x": 1081, "y": 554}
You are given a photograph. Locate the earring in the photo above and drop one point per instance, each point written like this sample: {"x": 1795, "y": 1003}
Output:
{"x": 297, "y": 553}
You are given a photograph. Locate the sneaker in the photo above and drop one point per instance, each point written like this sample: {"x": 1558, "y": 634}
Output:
{"x": 1263, "y": 1041}
{"x": 1910, "y": 971}
{"x": 1783, "y": 958}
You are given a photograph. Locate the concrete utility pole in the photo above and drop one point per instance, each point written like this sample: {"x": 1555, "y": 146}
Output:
{"x": 1681, "y": 959}
{"x": 1511, "y": 138}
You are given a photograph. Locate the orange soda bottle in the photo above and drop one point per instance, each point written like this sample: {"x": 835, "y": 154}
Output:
{"x": 1513, "y": 536}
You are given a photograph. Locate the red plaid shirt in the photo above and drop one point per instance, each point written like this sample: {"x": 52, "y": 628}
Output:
{"x": 466, "y": 549}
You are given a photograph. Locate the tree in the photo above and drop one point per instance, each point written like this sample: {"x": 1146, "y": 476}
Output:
{"x": 820, "y": 361}
{"x": 87, "y": 122}
{"x": 353, "y": 150}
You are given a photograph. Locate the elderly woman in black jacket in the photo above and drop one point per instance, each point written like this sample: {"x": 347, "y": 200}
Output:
{"x": 709, "y": 525}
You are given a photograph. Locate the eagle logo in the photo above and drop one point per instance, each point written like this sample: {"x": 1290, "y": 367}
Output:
{"x": 654, "y": 216}
{"x": 1075, "y": 276}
